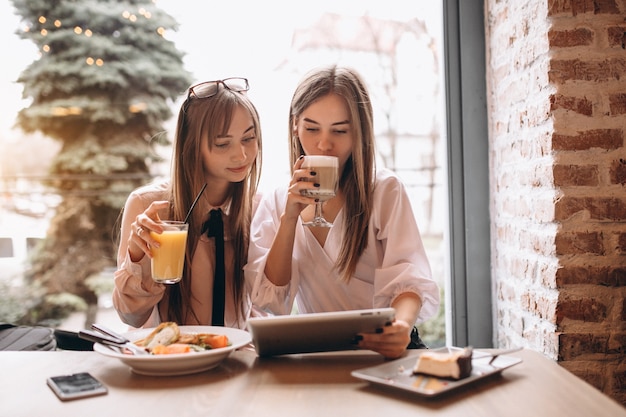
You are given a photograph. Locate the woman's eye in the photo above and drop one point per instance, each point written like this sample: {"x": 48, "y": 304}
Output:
{"x": 250, "y": 139}
{"x": 221, "y": 145}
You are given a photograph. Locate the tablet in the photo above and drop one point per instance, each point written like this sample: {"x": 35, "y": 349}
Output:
{"x": 315, "y": 332}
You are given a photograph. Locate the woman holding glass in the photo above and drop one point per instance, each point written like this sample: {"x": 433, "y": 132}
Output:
{"x": 372, "y": 254}
{"x": 215, "y": 168}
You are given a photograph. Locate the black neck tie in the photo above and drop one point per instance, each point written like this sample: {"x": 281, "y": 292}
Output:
{"x": 214, "y": 227}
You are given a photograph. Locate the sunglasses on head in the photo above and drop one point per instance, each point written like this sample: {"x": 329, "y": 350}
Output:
{"x": 210, "y": 88}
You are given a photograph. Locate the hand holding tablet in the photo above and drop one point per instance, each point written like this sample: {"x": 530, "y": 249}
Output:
{"x": 315, "y": 332}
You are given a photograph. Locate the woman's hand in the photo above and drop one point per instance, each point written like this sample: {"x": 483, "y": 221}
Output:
{"x": 140, "y": 241}
{"x": 302, "y": 179}
{"x": 391, "y": 341}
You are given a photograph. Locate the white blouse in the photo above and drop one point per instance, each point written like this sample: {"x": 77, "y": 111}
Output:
{"x": 393, "y": 263}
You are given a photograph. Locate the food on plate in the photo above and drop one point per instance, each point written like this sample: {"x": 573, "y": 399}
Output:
{"x": 167, "y": 339}
{"x": 173, "y": 348}
{"x": 165, "y": 334}
{"x": 454, "y": 365}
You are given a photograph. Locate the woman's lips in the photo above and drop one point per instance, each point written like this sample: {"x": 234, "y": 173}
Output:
{"x": 239, "y": 170}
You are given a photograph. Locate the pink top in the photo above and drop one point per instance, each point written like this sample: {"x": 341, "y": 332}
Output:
{"x": 139, "y": 300}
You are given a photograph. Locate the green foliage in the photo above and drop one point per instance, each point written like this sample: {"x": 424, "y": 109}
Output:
{"x": 57, "y": 307}
{"x": 17, "y": 301}
{"x": 101, "y": 283}
{"x": 103, "y": 64}
{"x": 29, "y": 305}
{"x": 102, "y": 87}
{"x": 433, "y": 331}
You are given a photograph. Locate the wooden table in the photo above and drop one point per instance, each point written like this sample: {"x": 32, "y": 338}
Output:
{"x": 293, "y": 386}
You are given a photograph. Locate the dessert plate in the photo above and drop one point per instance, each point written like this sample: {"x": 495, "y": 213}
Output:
{"x": 178, "y": 363}
{"x": 399, "y": 373}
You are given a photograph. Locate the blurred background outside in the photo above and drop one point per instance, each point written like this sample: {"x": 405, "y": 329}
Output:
{"x": 396, "y": 45}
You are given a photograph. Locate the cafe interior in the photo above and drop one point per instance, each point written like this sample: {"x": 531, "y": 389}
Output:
{"x": 536, "y": 122}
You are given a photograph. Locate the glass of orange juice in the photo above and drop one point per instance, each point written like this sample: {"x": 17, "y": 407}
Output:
{"x": 169, "y": 258}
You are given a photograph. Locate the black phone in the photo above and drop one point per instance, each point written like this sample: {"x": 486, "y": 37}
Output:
{"x": 80, "y": 385}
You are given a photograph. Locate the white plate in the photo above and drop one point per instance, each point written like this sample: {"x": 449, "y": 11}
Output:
{"x": 179, "y": 363}
{"x": 399, "y": 373}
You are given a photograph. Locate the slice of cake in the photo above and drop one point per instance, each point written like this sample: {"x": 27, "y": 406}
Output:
{"x": 451, "y": 364}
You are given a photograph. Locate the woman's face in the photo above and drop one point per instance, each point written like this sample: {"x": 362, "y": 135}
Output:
{"x": 325, "y": 128}
{"x": 231, "y": 156}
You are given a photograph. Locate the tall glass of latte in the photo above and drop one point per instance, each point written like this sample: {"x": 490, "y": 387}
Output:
{"x": 327, "y": 175}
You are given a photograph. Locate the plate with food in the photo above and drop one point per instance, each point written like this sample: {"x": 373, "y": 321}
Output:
{"x": 177, "y": 350}
{"x": 431, "y": 372}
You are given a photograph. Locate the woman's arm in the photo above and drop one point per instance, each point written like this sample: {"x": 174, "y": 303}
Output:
{"x": 278, "y": 266}
{"x": 403, "y": 279}
{"x": 134, "y": 294}
{"x": 407, "y": 306}
{"x": 392, "y": 340}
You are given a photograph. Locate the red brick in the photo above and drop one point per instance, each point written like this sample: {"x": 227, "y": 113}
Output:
{"x": 618, "y": 382}
{"x": 605, "y": 276}
{"x": 605, "y": 7}
{"x": 579, "y": 243}
{"x": 621, "y": 243}
{"x": 589, "y": 139}
{"x": 617, "y": 171}
{"x": 617, "y": 36}
{"x": 585, "y": 255}
{"x": 569, "y": 38}
{"x": 542, "y": 307}
{"x": 575, "y": 104}
{"x": 598, "y": 208}
{"x": 573, "y": 7}
{"x": 576, "y": 7}
{"x": 582, "y": 309}
{"x": 573, "y": 345}
{"x": 617, "y": 343}
{"x": 616, "y": 277}
{"x": 575, "y": 175}
{"x": 617, "y": 104}
{"x": 609, "y": 69}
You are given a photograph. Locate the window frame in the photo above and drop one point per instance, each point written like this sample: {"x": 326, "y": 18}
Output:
{"x": 469, "y": 315}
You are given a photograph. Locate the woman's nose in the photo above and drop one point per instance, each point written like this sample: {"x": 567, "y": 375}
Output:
{"x": 240, "y": 153}
{"x": 325, "y": 143}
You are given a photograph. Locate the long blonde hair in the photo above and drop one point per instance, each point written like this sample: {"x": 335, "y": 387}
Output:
{"x": 357, "y": 179}
{"x": 200, "y": 118}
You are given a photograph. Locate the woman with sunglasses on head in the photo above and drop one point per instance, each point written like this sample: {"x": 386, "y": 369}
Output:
{"x": 372, "y": 255}
{"x": 217, "y": 163}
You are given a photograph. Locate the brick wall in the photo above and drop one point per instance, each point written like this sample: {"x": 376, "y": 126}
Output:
{"x": 556, "y": 89}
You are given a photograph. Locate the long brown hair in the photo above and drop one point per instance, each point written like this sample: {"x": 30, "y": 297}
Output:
{"x": 200, "y": 118}
{"x": 357, "y": 179}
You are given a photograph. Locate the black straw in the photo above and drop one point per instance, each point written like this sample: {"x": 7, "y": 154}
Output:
{"x": 194, "y": 203}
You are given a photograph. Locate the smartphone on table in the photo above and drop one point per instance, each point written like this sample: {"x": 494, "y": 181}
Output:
{"x": 79, "y": 385}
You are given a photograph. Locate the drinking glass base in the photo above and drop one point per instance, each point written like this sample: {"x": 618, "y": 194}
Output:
{"x": 318, "y": 223}
{"x": 167, "y": 280}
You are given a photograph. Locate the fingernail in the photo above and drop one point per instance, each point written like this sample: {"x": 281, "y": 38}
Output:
{"x": 313, "y": 173}
{"x": 300, "y": 157}
{"x": 317, "y": 200}
{"x": 379, "y": 330}
{"x": 357, "y": 339}
{"x": 316, "y": 185}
